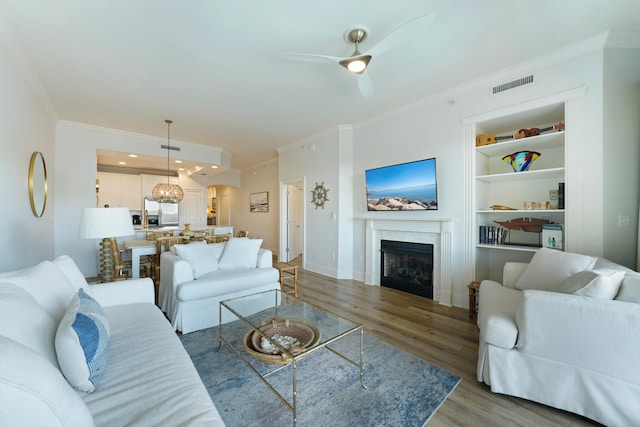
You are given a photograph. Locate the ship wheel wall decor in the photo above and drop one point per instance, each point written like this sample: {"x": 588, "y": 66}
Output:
{"x": 319, "y": 195}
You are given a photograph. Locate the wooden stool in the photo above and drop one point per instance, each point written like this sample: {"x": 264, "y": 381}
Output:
{"x": 291, "y": 269}
{"x": 474, "y": 288}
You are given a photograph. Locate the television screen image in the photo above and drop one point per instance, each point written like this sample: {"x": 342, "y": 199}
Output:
{"x": 403, "y": 187}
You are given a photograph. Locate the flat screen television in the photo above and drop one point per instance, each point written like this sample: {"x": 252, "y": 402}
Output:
{"x": 403, "y": 187}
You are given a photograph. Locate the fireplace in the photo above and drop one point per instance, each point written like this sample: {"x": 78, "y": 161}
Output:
{"x": 407, "y": 266}
{"x": 434, "y": 231}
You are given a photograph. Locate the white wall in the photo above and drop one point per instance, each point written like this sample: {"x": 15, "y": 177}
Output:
{"x": 315, "y": 160}
{"x": 261, "y": 225}
{"x": 25, "y": 127}
{"x": 621, "y": 153}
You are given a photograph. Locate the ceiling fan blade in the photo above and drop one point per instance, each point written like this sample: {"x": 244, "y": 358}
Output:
{"x": 403, "y": 34}
{"x": 365, "y": 84}
{"x": 307, "y": 57}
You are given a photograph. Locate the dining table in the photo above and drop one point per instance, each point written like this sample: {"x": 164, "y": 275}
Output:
{"x": 138, "y": 248}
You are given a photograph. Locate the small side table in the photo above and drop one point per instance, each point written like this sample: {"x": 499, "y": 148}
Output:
{"x": 290, "y": 269}
{"x": 474, "y": 289}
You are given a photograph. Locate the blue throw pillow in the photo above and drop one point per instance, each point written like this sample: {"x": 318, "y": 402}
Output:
{"x": 83, "y": 343}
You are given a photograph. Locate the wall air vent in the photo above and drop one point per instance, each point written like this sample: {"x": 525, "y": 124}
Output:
{"x": 166, "y": 147}
{"x": 513, "y": 84}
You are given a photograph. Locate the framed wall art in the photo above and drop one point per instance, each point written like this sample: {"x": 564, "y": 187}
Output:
{"x": 259, "y": 202}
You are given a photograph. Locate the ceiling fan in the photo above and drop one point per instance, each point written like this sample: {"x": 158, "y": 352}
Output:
{"x": 357, "y": 62}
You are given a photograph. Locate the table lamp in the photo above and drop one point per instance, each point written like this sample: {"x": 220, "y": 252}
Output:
{"x": 104, "y": 223}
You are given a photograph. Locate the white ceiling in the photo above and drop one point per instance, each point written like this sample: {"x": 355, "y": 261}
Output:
{"x": 214, "y": 68}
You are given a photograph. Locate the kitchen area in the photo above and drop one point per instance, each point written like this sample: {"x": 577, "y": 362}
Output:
{"x": 133, "y": 191}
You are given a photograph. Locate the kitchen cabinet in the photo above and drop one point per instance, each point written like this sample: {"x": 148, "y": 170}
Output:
{"x": 120, "y": 190}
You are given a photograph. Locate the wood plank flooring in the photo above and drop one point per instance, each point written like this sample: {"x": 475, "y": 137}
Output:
{"x": 444, "y": 336}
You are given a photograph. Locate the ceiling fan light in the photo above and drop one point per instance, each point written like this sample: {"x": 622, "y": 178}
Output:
{"x": 357, "y": 64}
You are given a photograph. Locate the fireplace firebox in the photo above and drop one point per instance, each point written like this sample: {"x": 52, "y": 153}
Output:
{"x": 407, "y": 266}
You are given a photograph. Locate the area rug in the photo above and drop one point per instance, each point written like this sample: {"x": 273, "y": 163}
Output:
{"x": 402, "y": 390}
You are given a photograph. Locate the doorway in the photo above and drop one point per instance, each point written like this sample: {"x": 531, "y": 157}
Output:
{"x": 293, "y": 221}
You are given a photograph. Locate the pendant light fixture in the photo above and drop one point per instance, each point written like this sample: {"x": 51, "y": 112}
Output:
{"x": 168, "y": 193}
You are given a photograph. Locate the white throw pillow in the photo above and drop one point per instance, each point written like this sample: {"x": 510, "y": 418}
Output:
{"x": 217, "y": 249}
{"x": 199, "y": 257}
{"x": 47, "y": 284}
{"x": 593, "y": 283}
{"x": 25, "y": 321}
{"x": 629, "y": 288}
{"x": 240, "y": 253}
{"x": 549, "y": 267}
{"x": 34, "y": 393}
{"x": 83, "y": 343}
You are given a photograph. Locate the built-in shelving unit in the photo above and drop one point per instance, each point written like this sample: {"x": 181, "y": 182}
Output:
{"x": 494, "y": 182}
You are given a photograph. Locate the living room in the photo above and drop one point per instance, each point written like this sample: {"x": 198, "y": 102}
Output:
{"x": 605, "y": 186}
{"x": 339, "y": 156}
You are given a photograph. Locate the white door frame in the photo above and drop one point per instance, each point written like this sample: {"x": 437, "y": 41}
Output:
{"x": 283, "y": 240}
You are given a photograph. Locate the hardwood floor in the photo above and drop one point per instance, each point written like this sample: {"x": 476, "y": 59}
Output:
{"x": 444, "y": 336}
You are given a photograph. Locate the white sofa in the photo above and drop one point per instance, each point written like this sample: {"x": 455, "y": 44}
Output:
{"x": 195, "y": 277}
{"x": 138, "y": 372}
{"x": 564, "y": 330}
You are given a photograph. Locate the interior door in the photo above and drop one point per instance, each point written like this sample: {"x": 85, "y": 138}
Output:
{"x": 294, "y": 220}
{"x": 224, "y": 213}
{"x": 194, "y": 207}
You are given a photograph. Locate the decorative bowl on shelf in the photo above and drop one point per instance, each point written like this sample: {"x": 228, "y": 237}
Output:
{"x": 521, "y": 161}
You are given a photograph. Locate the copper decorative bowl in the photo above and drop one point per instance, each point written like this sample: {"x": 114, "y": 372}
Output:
{"x": 299, "y": 335}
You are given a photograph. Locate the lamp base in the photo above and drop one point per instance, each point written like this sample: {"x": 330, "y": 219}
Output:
{"x": 106, "y": 261}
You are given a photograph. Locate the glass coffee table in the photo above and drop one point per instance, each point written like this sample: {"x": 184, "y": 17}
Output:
{"x": 252, "y": 337}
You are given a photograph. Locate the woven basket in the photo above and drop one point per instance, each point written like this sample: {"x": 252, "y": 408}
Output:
{"x": 306, "y": 333}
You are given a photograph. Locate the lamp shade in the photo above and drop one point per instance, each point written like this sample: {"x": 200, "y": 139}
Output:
{"x": 98, "y": 223}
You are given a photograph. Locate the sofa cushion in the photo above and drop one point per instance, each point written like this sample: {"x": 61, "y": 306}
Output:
{"x": 82, "y": 343}
{"x": 25, "y": 321}
{"x": 593, "y": 283}
{"x": 199, "y": 257}
{"x": 151, "y": 379}
{"x": 240, "y": 253}
{"x": 223, "y": 282}
{"x": 47, "y": 284}
{"x": 629, "y": 288}
{"x": 549, "y": 267}
{"x": 34, "y": 392}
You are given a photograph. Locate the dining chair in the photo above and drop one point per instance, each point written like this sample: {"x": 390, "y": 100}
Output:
{"x": 242, "y": 233}
{"x": 120, "y": 266}
{"x": 163, "y": 244}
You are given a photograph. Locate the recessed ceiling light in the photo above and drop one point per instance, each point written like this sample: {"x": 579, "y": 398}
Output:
{"x": 122, "y": 163}
{"x": 214, "y": 167}
{"x": 178, "y": 161}
{"x": 133, "y": 155}
{"x": 180, "y": 169}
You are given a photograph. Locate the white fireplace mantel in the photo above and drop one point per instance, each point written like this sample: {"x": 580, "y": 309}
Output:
{"x": 435, "y": 231}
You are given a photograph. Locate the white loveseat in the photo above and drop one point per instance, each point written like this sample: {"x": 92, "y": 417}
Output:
{"x": 138, "y": 375}
{"x": 195, "y": 277}
{"x": 563, "y": 330}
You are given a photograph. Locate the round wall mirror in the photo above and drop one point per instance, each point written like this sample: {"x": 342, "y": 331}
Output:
{"x": 37, "y": 184}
